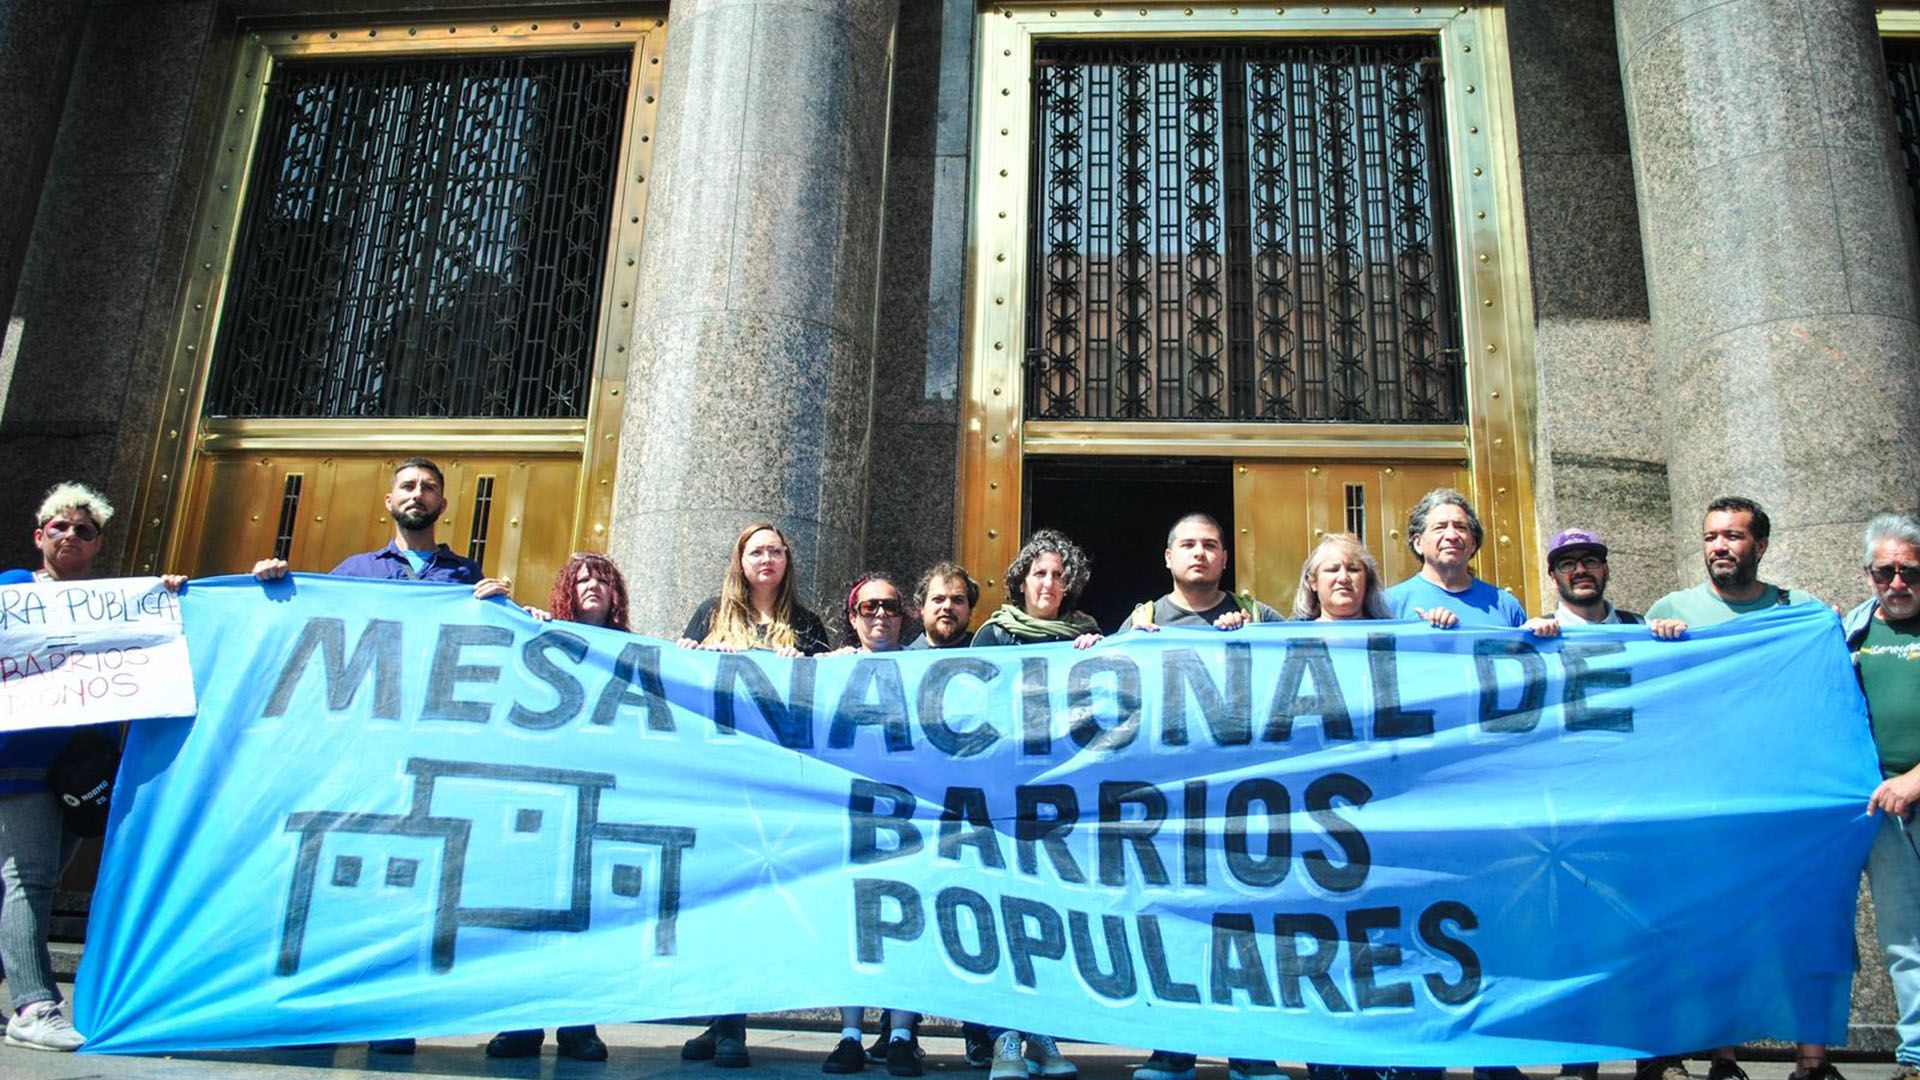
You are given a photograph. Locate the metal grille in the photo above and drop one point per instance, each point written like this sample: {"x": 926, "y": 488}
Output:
{"x": 289, "y": 515}
{"x": 482, "y": 512}
{"x": 424, "y": 237}
{"x": 1241, "y": 232}
{"x": 1903, "y": 81}
{"x": 1357, "y": 510}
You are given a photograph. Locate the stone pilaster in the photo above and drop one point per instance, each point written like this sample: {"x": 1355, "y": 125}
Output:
{"x": 1777, "y": 239}
{"x": 751, "y": 378}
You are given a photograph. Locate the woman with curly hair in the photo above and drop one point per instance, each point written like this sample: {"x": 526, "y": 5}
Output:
{"x": 758, "y": 606}
{"x": 1043, "y": 586}
{"x": 588, "y": 590}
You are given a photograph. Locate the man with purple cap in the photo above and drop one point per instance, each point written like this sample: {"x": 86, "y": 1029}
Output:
{"x": 1577, "y": 562}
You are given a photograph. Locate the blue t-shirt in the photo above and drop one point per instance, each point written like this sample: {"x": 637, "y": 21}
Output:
{"x": 1481, "y": 605}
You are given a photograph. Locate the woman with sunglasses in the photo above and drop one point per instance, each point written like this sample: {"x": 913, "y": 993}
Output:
{"x": 590, "y": 590}
{"x": 758, "y": 608}
{"x": 876, "y": 616}
{"x": 33, "y": 846}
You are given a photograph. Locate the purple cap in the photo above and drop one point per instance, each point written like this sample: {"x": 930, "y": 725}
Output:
{"x": 1569, "y": 539}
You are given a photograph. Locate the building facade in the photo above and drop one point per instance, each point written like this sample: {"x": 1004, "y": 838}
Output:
{"x": 911, "y": 278}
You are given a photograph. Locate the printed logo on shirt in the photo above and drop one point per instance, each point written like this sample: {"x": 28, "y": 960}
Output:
{"x": 1910, "y": 651}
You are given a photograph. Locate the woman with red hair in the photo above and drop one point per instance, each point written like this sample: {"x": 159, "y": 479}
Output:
{"x": 590, "y": 590}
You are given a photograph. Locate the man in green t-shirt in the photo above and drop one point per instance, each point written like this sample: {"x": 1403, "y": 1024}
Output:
{"x": 1734, "y": 536}
{"x": 1884, "y": 634}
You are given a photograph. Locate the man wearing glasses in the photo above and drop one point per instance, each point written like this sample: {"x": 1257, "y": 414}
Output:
{"x": 1884, "y": 635}
{"x": 1577, "y": 562}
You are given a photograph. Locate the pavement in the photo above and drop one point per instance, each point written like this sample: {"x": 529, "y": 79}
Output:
{"x": 650, "y": 1052}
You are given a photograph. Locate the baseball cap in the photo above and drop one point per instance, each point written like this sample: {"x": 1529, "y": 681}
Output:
{"x": 1569, "y": 539}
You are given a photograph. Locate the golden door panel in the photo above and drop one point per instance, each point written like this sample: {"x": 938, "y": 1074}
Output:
{"x": 1281, "y": 509}
{"x": 513, "y": 512}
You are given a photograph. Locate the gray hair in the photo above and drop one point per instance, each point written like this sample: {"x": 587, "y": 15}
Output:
{"x": 1884, "y": 527}
{"x": 1306, "y": 602}
{"x": 1433, "y": 500}
{"x": 69, "y": 497}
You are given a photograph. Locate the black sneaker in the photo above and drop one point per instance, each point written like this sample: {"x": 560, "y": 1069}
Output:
{"x": 847, "y": 1057}
{"x": 516, "y": 1044}
{"x": 392, "y": 1046}
{"x": 1726, "y": 1069}
{"x": 730, "y": 1042}
{"x": 1660, "y": 1068}
{"x": 978, "y": 1045}
{"x": 581, "y": 1043}
{"x": 903, "y": 1057}
{"x": 877, "y": 1053}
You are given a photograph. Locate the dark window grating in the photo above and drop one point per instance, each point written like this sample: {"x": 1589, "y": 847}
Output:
{"x": 1241, "y": 232}
{"x": 482, "y": 510}
{"x": 1357, "y": 510}
{"x": 424, "y": 237}
{"x": 1903, "y": 81}
{"x": 289, "y": 516}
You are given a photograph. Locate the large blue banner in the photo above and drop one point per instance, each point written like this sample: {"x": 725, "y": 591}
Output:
{"x": 402, "y": 811}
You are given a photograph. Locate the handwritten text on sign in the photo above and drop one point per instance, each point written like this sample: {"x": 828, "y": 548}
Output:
{"x": 91, "y": 652}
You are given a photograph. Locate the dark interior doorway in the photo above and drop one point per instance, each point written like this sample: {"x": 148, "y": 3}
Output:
{"x": 1119, "y": 510}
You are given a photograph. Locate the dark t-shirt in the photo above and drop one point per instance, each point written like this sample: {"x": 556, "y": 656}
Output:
{"x": 809, "y": 633}
{"x": 921, "y": 642}
{"x": 1168, "y": 613}
{"x": 1889, "y": 664}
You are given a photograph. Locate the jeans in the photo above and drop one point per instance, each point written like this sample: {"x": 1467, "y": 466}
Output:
{"x": 30, "y": 828}
{"x": 1893, "y": 879}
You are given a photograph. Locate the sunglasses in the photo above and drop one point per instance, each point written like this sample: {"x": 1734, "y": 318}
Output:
{"x": 61, "y": 527}
{"x": 1883, "y": 574}
{"x": 871, "y": 608}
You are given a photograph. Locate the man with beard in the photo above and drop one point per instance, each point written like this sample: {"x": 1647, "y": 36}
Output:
{"x": 945, "y": 599}
{"x": 415, "y": 502}
{"x": 1577, "y": 562}
{"x": 1734, "y": 536}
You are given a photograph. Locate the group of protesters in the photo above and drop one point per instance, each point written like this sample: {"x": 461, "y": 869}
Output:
{"x": 758, "y": 607}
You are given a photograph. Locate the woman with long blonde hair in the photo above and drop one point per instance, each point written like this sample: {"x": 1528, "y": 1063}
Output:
{"x": 758, "y": 606}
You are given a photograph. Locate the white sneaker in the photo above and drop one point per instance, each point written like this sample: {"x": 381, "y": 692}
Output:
{"x": 1008, "y": 1062}
{"x": 46, "y": 1029}
{"x": 1047, "y": 1060}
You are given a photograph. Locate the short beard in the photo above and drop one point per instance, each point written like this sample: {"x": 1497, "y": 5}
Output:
{"x": 1743, "y": 573}
{"x": 417, "y": 520}
{"x": 934, "y": 637}
{"x": 1567, "y": 597}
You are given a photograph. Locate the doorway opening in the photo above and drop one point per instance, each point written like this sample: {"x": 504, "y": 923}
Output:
{"x": 1118, "y": 510}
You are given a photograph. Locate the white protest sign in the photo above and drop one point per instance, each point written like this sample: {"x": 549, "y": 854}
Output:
{"x": 91, "y": 652}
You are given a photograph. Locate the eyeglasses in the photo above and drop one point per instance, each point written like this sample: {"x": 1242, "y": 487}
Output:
{"x": 61, "y": 527}
{"x": 871, "y": 608}
{"x": 1884, "y": 572}
{"x": 1584, "y": 562}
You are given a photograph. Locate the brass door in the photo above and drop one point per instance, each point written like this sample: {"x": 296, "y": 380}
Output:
{"x": 1282, "y": 508}
{"x": 514, "y": 513}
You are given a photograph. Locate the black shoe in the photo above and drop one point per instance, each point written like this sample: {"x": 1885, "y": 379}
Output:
{"x": 979, "y": 1045}
{"x": 700, "y": 1047}
{"x": 516, "y": 1044}
{"x": 730, "y": 1042}
{"x": 877, "y": 1053}
{"x": 1660, "y": 1068}
{"x": 1725, "y": 1069}
{"x": 581, "y": 1043}
{"x": 392, "y": 1046}
{"x": 1580, "y": 1070}
{"x": 847, "y": 1057}
{"x": 1497, "y": 1072}
{"x": 903, "y": 1057}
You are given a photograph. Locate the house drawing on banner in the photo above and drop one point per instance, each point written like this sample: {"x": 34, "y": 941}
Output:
{"x": 545, "y": 823}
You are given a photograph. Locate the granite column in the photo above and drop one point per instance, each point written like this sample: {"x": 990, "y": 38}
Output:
{"x": 752, "y": 355}
{"x": 1777, "y": 237}
{"x": 38, "y": 39}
